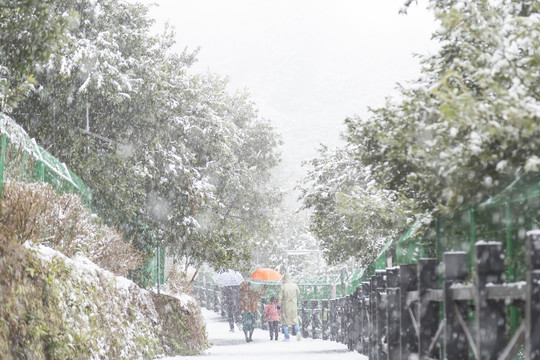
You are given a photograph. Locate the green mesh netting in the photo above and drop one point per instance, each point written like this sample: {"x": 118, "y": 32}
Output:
{"x": 23, "y": 159}
{"x": 504, "y": 217}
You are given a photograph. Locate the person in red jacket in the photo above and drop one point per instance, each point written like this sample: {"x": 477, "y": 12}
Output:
{"x": 271, "y": 313}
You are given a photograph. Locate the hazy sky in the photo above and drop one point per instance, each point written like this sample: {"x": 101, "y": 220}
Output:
{"x": 308, "y": 64}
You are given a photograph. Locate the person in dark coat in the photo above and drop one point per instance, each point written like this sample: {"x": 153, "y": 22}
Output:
{"x": 230, "y": 296}
{"x": 248, "y": 308}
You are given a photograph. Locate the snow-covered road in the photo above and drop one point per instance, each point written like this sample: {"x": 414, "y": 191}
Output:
{"x": 227, "y": 345}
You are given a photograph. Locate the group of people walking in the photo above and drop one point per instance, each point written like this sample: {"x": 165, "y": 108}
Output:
{"x": 242, "y": 302}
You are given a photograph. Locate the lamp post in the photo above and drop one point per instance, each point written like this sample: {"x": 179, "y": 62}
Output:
{"x": 158, "y": 266}
{"x": 159, "y": 209}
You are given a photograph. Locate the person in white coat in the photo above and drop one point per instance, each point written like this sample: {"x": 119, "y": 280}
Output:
{"x": 287, "y": 302}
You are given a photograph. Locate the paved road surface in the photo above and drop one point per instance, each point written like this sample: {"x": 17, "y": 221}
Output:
{"x": 227, "y": 345}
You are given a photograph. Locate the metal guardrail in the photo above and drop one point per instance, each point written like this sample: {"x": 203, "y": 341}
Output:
{"x": 426, "y": 310}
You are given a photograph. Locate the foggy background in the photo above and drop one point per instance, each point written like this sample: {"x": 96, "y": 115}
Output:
{"x": 307, "y": 64}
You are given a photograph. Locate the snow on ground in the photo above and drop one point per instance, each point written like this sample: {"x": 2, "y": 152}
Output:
{"x": 227, "y": 345}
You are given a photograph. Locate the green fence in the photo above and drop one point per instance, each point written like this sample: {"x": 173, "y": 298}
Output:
{"x": 312, "y": 287}
{"x": 503, "y": 217}
{"x": 22, "y": 159}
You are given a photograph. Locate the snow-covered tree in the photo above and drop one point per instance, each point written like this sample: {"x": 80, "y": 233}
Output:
{"x": 172, "y": 158}
{"x": 350, "y": 214}
{"x": 471, "y": 121}
{"x": 289, "y": 246}
{"x": 460, "y": 132}
{"x": 31, "y": 31}
{"x": 234, "y": 151}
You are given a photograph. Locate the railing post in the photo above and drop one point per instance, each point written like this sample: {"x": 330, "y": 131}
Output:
{"x": 346, "y": 321}
{"x": 263, "y": 318}
{"x": 199, "y": 292}
{"x": 455, "y": 340}
{"x": 366, "y": 320}
{"x": 343, "y": 319}
{"x": 360, "y": 319}
{"x": 490, "y": 337}
{"x": 2, "y": 162}
{"x": 339, "y": 319}
{"x": 222, "y": 302}
{"x": 428, "y": 311}
{"x": 208, "y": 301}
{"x": 408, "y": 281}
{"x": 357, "y": 315}
{"x": 373, "y": 316}
{"x": 532, "y": 311}
{"x": 333, "y": 319}
{"x": 324, "y": 320}
{"x": 305, "y": 319}
{"x": 381, "y": 313}
{"x": 350, "y": 320}
{"x": 315, "y": 324}
{"x": 216, "y": 300}
{"x": 393, "y": 316}
{"x": 203, "y": 291}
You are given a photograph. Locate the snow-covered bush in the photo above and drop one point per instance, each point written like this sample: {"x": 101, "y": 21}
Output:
{"x": 35, "y": 212}
{"x": 182, "y": 328}
{"x": 58, "y": 304}
{"x": 54, "y": 307}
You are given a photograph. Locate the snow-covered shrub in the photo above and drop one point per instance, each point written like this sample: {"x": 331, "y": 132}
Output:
{"x": 35, "y": 212}
{"x": 57, "y": 307}
{"x": 54, "y": 307}
{"x": 182, "y": 327}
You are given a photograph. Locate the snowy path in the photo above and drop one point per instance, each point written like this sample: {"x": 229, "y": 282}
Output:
{"x": 227, "y": 345}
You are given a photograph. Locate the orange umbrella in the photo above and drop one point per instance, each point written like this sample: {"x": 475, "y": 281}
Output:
{"x": 266, "y": 274}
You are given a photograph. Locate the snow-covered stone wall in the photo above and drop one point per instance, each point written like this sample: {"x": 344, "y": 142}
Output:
{"x": 69, "y": 308}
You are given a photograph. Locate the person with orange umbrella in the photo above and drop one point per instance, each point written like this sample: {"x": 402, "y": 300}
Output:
{"x": 248, "y": 308}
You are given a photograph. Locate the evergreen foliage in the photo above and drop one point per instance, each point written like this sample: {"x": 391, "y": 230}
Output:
{"x": 172, "y": 158}
{"x": 457, "y": 134}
